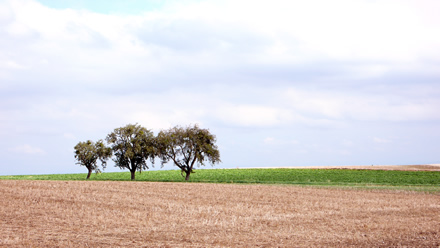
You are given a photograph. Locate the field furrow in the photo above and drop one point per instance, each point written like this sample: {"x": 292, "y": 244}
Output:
{"x": 151, "y": 214}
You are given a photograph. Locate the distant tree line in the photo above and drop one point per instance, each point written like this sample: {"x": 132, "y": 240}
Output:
{"x": 133, "y": 146}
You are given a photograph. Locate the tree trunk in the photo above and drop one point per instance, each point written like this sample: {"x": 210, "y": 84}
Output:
{"x": 88, "y": 175}
{"x": 132, "y": 169}
{"x": 188, "y": 173}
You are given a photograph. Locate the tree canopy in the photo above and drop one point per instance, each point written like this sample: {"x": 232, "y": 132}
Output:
{"x": 187, "y": 147}
{"x": 87, "y": 154}
{"x": 132, "y": 146}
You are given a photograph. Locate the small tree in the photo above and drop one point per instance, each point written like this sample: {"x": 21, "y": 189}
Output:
{"x": 187, "y": 147}
{"x": 87, "y": 153}
{"x": 132, "y": 146}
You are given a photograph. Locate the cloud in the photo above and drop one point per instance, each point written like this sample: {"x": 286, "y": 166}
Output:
{"x": 70, "y": 136}
{"x": 347, "y": 143}
{"x": 28, "y": 149}
{"x": 290, "y": 44}
{"x": 279, "y": 141}
{"x": 352, "y": 105}
{"x": 251, "y": 115}
{"x": 315, "y": 72}
{"x": 269, "y": 140}
{"x": 381, "y": 140}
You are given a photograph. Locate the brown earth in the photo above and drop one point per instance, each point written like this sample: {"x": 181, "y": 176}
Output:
{"x": 145, "y": 214}
{"x": 422, "y": 167}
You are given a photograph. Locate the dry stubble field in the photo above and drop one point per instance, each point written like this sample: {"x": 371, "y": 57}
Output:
{"x": 145, "y": 214}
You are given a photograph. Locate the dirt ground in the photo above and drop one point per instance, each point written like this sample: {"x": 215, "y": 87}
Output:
{"x": 145, "y": 214}
{"x": 422, "y": 167}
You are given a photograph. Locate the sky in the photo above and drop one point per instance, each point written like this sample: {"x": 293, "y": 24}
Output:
{"x": 280, "y": 83}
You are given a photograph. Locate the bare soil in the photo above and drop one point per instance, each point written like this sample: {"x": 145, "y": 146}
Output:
{"x": 422, "y": 167}
{"x": 145, "y": 214}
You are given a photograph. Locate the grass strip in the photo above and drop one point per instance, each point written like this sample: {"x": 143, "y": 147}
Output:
{"x": 424, "y": 180}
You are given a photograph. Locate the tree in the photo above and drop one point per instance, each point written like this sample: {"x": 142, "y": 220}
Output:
{"x": 187, "y": 147}
{"x": 87, "y": 153}
{"x": 132, "y": 146}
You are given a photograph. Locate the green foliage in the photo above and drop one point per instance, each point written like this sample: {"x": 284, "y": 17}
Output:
{"x": 405, "y": 180}
{"x": 132, "y": 146}
{"x": 186, "y": 147}
{"x": 87, "y": 154}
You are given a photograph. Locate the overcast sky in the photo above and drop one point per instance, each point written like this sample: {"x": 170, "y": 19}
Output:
{"x": 280, "y": 83}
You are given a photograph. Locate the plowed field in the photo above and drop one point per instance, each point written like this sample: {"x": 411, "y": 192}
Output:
{"x": 145, "y": 214}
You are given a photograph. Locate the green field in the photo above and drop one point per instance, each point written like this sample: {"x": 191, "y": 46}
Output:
{"x": 408, "y": 180}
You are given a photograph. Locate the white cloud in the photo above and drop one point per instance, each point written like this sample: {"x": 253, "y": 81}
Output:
{"x": 269, "y": 140}
{"x": 28, "y": 149}
{"x": 385, "y": 30}
{"x": 280, "y": 141}
{"x": 253, "y": 115}
{"x": 348, "y": 143}
{"x": 381, "y": 140}
{"x": 70, "y": 136}
{"x": 265, "y": 72}
{"x": 292, "y": 31}
{"x": 346, "y": 105}
{"x": 11, "y": 65}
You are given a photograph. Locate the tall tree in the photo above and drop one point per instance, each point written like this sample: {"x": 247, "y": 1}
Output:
{"x": 132, "y": 146}
{"x": 87, "y": 154}
{"x": 186, "y": 147}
